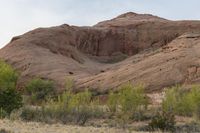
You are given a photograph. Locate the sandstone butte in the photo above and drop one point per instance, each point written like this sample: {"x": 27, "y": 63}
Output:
{"x": 136, "y": 48}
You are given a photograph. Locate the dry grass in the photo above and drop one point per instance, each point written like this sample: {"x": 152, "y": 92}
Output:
{"x": 33, "y": 127}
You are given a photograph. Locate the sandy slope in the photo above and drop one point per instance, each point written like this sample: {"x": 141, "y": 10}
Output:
{"x": 33, "y": 127}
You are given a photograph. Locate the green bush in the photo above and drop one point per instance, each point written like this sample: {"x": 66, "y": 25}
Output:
{"x": 182, "y": 102}
{"x": 80, "y": 99}
{"x": 130, "y": 101}
{"x": 68, "y": 108}
{"x": 113, "y": 101}
{"x": 8, "y": 76}
{"x": 79, "y": 106}
{"x": 176, "y": 100}
{"x": 132, "y": 98}
{"x": 193, "y": 98}
{"x": 40, "y": 90}
{"x": 27, "y": 114}
{"x": 3, "y": 113}
{"x": 164, "y": 121}
{"x": 10, "y": 99}
{"x": 69, "y": 84}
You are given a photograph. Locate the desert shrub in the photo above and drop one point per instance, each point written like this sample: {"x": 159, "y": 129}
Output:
{"x": 113, "y": 102}
{"x": 3, "y": 113}
{"x": 68, "y": 108}
{"x": 170, "y": 101}
{"x": 176, "y": 100}
{"x": 129, "y": 102}
{"x": 31, "y": 114}
{"x": 76, "y": 107}
{"x": 132, "y": 98}
{"x": 191, "y": 127}
{"x": 10, "y": 98}
{"x": 69, "y": 84}
{"x": 39, "y": 90}
{"x": 80, "y": 99}
{"x": 164, "y": 121}
{"x": 4, "y": 131}
{"x": 8, "y": 76}
{"x": 16, "y": 114}
{"x": 193, "y": 98}
{"x": 182, "y": 102}
{"x": 79, "y": 106}
{"x": 27, "y": 114}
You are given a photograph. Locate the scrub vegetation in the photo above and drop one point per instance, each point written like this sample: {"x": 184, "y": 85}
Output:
{"x": 39, "y": 102}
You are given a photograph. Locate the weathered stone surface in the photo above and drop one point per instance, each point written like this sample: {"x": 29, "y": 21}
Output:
{"x": 160, "y": 53}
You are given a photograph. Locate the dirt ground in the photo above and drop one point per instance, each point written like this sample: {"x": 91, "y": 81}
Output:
{"x": 34, "y": 127}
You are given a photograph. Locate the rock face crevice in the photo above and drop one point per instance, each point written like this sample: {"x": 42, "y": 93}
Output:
{"x": 139, "y": 48}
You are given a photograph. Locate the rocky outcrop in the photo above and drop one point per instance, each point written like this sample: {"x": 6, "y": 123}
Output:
{"x": 159, "y": 53}
{"x": 176, "y": 63}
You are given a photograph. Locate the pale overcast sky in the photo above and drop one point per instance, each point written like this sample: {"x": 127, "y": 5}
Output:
{"x": 20, "y": 16}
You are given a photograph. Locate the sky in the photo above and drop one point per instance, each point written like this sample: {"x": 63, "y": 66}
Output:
{"x": 20, "y": 16}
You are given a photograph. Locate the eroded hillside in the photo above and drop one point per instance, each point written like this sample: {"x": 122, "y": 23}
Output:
{"x": 137, "y": 48}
